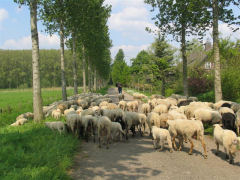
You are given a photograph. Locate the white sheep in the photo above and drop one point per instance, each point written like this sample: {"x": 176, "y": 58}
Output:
{"x": 152, "y": 119}
{"x": 122, "y": 105}
{"x": 57, "y": 125}
{"x": 161, "y": 135}
{"x": 27, "y": 115}
{"x": 19, "y": 122}
{"x": 68, "y": 111}
{"x": 56, "y": 113}
{"x": 73, "y": 122}
{"x": 207, "y": 115}
{"x": 121, "y": 97}
{"x": 132, "y": 106}
{"x": 112, "y": 106}
{"x": 116, "y": 131}
{"x": 187, "y": 129}
{"x": 161, "y": 108}
{"x": 145, "y": 108}
{"x": 103, "y": 103}
{"x": 104, "y": 129}
{"x": 227, "y": 139}
{"x": 223, "y": 110}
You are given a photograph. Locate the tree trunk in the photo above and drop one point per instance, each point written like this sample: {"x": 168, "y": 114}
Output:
{"x": 89, "y": 75}
{"x": 184, "y": 59}
{"x": 163, "y": 86}
{"x": 74, "y": 65}
{"x": 95, "y": 79}
{"x": 64, "y": 92}
{"x": 217, "y": 79}
{"x": 84, "y": 72}
{"x": 37, "y": 98}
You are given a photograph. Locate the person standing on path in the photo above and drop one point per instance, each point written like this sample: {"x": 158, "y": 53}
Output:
{"x": 119, "y": 86}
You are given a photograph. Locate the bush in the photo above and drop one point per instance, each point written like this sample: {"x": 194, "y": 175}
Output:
{"x": 207, "y": 97}
{"x": 231, "y": 84}
{"x": 199, "y": 81}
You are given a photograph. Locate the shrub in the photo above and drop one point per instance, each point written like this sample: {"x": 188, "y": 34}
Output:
{"x": 199, "y": 81}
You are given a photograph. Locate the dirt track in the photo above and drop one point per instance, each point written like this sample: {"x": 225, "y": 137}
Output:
{"x": 136, "y": 159}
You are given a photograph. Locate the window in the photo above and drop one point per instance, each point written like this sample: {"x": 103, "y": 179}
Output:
{"x": 208, "y": 65}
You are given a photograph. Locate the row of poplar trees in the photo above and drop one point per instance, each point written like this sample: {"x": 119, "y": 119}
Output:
{"x": 82, "y": 26}
{"x": 182, "y": 18}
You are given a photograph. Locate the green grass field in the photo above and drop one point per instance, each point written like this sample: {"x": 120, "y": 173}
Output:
{"x": 32, "y": 151}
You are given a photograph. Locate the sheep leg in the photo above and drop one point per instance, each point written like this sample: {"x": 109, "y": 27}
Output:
{"x": 204, "y": 148}
{"x": 180, "y": 143}
{"x": 174, "y": 143}
{"x": 162, "y": 143}
{"x": 231, "y": 158}
{"x": 99, "y": 142}
{"x": 192, "y": 145}
{"x": 155, "y": 143}
{"x": 140, "y": 130}
{"x": 238, "y": 130}
{"x": 227, "y": 156}
{"x": 169, "y": 143}
{"x": 217, "y": 148}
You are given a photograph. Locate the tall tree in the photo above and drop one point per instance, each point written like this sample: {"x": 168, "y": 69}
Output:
{"x": 37, "y": 98}
{"x": 180, "y": 18}
{"x": 54, "y": 14}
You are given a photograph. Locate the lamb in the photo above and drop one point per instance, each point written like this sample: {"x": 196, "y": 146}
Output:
{"x": 177, "y": 115}
{"x": 143, "y": 120}
{"x": 161, "y": 135}
{"x": 161, "y": 108}
{"x": 145, "y": 108}
{"x": 152, "y": 118}
{"x": 57, "y": 125}
{"x": 121, "y": 97}
{"x": 187, "y": 129}
{"x": 116, "y": 131}
{"x": 228, "y": 140}
{"x": 56, "y": 113}
{"x": 207, "y": 116}
{"x": 79, "y": 110}
{"x": 68, "y": 111}
{"x": 228, "y": 121}
{"x": 19, "y": 122}
{"x": 104, "y": 128}
{"x": 122, "y": 105}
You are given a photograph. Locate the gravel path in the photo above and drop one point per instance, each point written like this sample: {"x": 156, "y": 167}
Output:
{"x": 136, "y": 159}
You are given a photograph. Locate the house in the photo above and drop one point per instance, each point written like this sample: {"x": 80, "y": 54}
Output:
{"x": 200, "y": 57}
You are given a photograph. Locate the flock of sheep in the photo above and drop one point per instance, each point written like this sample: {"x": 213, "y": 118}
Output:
{"x": 95, "y": 115}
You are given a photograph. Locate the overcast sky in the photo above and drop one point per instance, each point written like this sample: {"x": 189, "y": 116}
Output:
{"x": 127, "y": 24}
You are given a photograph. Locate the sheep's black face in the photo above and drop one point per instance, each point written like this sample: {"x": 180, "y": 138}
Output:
{"x": 120, "y": 120}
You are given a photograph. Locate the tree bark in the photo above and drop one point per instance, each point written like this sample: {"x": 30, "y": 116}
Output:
{"x": 89, "y": 75}
{"x": 95, "y": 79}
{"x": 64, "y": 92}
{"x": 83, "y": 70}
{"x": 37, "y": 98}
{"x": 184, "y": 59}
{"x": 217, "y": 79}
{"x": 74, "y": 65}
{"x": 163, "y": 86}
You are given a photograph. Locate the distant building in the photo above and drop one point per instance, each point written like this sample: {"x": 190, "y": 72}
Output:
{"x": 200, "y": 58}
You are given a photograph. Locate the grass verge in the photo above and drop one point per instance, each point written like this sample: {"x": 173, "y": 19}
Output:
{"x": 32, "y": 151}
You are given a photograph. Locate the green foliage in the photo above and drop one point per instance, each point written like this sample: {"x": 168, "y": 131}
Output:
{"x": 103, "y": 91}
{"x": 16, "y": 68}
{"x": 120, "y": 70}
{"x": 207, "y": 97}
